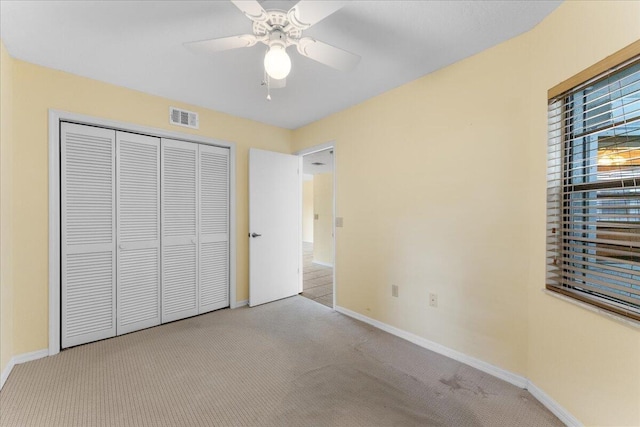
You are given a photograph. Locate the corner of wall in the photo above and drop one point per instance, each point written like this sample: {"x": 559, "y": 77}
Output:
{"x": 323, "y": 225}
{"x": 6, "y": 195}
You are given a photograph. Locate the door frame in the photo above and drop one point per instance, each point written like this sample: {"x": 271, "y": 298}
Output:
{"x": 314, "y": 149}
{"x": 58, "y": 116}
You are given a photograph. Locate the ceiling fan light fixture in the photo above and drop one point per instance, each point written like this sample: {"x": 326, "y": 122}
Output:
{"x": 276, "y": 62}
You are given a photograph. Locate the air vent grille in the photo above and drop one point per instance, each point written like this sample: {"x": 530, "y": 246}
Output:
{"x": 183, "y": 118}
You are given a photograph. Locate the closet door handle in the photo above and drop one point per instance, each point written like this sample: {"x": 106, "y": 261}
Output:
{"x": 254, "y": 235}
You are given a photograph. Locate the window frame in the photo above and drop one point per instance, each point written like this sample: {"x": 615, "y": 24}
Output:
{"x": 555, "y": 95}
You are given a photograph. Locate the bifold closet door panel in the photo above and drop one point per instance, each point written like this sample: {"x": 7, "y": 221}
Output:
{"x": 138, "y": 242}
{"x": 214, "y": 228}
{"x": 88, "y": 234}
{"x": 179, "y": 229}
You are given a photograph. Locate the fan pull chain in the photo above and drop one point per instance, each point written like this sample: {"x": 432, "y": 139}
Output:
{"x": 267, "y": 81}
{"x": 268, "y": 89}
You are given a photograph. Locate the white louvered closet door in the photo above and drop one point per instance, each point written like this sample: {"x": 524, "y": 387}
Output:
{"x": 138, "y": 249}
{"x": 214, "y": 228}
{"x": 179, "y": 229}
{"x": 88, "y": 273}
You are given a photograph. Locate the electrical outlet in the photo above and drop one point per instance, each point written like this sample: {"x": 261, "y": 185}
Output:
{"x": 394, "y": 290}
{"x": 433, "y": 300}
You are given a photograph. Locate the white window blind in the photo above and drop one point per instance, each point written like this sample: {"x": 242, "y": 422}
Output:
{"x": 593, "y": 191}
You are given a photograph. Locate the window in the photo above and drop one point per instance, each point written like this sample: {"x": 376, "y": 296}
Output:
{"x": 593, "y": 188}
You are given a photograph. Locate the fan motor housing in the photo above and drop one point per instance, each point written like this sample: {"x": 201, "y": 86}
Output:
{"x": 277, "y": 20}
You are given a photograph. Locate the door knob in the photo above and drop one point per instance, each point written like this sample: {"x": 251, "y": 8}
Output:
{"x": 254, "y": 235}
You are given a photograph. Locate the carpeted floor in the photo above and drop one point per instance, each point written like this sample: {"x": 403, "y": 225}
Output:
{"x": 317, "y": 282}
{"x": 288, "y": 363}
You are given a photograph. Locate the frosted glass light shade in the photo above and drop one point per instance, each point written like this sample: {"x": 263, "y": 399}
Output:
{"x": 277, "y": 63}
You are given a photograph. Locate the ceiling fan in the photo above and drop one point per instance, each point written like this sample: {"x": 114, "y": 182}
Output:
{"x": 278, "y": 30}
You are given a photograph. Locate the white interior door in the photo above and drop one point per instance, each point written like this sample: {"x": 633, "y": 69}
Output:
{"x": 213, "y": 241}
{"x": 179, "y": 229}
{"x": 138, "y": 196}
{"x": 88, "y": 273}
{"x": 274, "y": 215}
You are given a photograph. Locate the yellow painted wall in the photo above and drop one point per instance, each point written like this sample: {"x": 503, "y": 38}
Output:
{"x": 323, "y": 226}
{"x": 587, "y": 362}
{"x": 6, "y": 196}
{"x": 437, "y": 213}
{"x": 37, "y": 89}
{"x": 307, "y": 211}
{"x": 458, "y": 209}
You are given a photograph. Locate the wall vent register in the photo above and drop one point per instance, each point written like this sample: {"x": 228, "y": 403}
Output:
{"x": 184, "y": 118}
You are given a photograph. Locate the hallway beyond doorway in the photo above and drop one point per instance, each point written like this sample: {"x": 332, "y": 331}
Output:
{"x": 317, "y": 279}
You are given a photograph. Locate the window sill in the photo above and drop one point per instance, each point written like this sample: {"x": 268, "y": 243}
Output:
{"x": 613, "y": 316}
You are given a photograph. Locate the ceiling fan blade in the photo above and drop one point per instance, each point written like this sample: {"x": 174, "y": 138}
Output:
{"x": 328, "y": 55}
{"x": 252, "y": 9}
{"x": 306, "y": 13}
{"x": 225, "y": 43}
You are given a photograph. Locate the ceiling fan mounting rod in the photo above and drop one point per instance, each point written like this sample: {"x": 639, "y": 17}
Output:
{"x": 277, "y": 22}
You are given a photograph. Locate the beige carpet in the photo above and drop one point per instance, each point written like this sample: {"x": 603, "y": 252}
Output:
{"x": 317, "y": 283}
{"x": 288, "y": 363}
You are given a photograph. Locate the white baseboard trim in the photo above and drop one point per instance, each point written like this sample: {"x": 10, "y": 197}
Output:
{"x": 326, "y": 264}
{"x": 242, "y": 303}
{"x": 21, "y": 358}
{"x": 6, "y": 372}
{"x": 553, "y": 406}
{"x": 510, "y": 377}
{"x": 505, "y": 375}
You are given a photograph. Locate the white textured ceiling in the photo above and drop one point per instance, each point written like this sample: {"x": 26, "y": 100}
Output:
{"x": 138, "y": 44}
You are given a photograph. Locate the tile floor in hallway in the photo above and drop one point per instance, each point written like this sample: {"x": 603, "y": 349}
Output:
{"x": 317, "y": 280}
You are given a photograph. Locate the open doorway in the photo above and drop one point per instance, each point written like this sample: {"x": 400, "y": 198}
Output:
{"x": 318, "y": 226}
